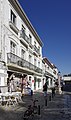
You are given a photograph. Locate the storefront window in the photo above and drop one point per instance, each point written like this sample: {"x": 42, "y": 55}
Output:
{"x": 38, "y": 83}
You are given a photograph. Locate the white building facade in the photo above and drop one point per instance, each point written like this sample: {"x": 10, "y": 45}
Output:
{"x": 67, "y": 79}
{"x": 20, "y": 48}
{"x": 50, "y": 73}
{"x": 21, "y": 61}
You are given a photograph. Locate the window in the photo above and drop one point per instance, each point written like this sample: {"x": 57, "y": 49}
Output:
{"x": 30, "y": 78}
{"x": 38, "y": 84}
{"x": 12, "y": 47}
{"x": 48, "y": 67}
{"x": 30, "y": 58}
{"x": 43, "y": 81}
{"x": 35, "y": 62}
{"x": 23, "y": 54}
{"x": 0, "y": 55}
{"x": 13, "y": 17}
{"x": 23, "y": 29}
{"x": 51, "y": 82}
{"x": 39, "y": 80}
{"x": 34, "y": 43}
{"x": 54, "y": 72}
{"x": 39, "y": 64}
{"x": 30, "y": 38}
{"x": 38, "y": 49}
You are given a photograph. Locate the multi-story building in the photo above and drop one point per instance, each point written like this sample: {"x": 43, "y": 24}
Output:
{"x": 67, "y": 79}
{"x": 20, "y": 48}
{"x": 50, "y": 73}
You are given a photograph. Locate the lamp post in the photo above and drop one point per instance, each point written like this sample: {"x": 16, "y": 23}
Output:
{"x": 59, "y": 80}
{"x": 22, "y": 84}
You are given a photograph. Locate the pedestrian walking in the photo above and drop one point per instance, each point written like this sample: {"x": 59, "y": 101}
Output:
{"x": 45, "y": 89}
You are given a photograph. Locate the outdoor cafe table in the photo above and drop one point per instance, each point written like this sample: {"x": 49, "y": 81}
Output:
{"x": 10, "y": 97}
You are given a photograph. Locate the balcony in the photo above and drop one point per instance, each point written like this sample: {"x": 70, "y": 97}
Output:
{"x": 36, "y": 50}
{"x": 30, "y": 45}
{"x": 13, "y": 27}
{"x": 48, "y": 74}
{"x": 24, "y": 38}
{"x": 12, "y": 58}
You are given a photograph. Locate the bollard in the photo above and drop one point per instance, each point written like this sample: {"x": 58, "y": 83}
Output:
{"x": 52, "y": 92}
{"x": 52, "y": 95}
{"x": 50, "y": 98}
{"x": 38, "y": 109}
{"x": 45, "y": 102}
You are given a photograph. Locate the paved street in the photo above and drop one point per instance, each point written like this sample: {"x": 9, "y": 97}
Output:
{"x": 59, "y": 108}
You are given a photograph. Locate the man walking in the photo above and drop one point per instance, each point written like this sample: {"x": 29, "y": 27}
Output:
{"x": 45, "y": 89}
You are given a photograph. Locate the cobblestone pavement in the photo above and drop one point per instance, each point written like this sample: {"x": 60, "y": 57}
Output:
{"x": 59, "y": 108}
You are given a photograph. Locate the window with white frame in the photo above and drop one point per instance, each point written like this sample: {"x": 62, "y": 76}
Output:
{"x": 48, "y": 67}
{"x": 30, "y": 39}
{"x": 30, "y": 58}
{"x": 29, "y": 78}
{"x": 23, "y": 54}
{"x": 35, "y": 61}
{"x": 13, "y": 17}
{"x": 51, "y": 81}
{"x": 34, "y": 43}
{"x": 23, "y": 29}
{"x": 39, "y": 49}
{"x": 12, "y": 47}
{"x": 39, "y": 64}
{"x": 38, "y": 84}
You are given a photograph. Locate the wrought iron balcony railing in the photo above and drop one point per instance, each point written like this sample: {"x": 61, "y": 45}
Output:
{"x": 24, "y": 36}
{"x": 36, "y": 49}
{"x": 12, "y": 58}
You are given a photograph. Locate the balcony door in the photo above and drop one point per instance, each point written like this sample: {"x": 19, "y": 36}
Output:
{"x": 13, "y": 52}
{"x": 23, "y": 54}
{"x": 30, "y": 58}
{"x": 35, "y": 62}
{"x": 12, "y": 47}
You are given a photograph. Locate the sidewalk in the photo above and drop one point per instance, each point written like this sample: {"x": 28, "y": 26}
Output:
{"x": 59, "y": 108}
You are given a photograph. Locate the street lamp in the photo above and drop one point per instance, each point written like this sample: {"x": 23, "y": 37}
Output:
{"x": 22, "y": 84}
{"x": 59, "y": 81}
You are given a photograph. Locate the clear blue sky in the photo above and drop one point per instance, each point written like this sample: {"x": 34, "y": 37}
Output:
{"x": 52, "y": 21}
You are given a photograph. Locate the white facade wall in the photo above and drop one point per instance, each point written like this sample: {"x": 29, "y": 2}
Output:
{"x": 51, "y": 73}
{"x": 0, "y": 27}
{"x": 8, "y": 34}
{"x": 67, "y": 78}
